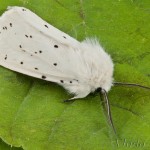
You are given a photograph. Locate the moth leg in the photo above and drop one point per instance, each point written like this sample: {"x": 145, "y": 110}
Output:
{"x": 106, "y": 107}
{"x": 75, "y": 98}
{"x": 82, "y": 94}
{"x": 71, "y": 99}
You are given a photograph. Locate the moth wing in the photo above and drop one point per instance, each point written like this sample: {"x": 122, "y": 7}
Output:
{"x": 31, "y": 46}
{"x": 48, "y": 30}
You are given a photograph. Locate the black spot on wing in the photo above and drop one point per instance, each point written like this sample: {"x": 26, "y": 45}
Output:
{"x": 43, "y": 77}
{"x": 5, "y": 57}
{"x": 28, "y": 36}
{"x": 55, "y": 64}
{"x": 21, "y": 62}
{"x": 76, "y": 80}
{"x": 5, "y": 28}
{"x": 56, "y": 46}
{"x": 10, "y": 24}
{"x": 46, "y": 26}
{"x": 23, "y": 9}
{"x": 61, "y": 81}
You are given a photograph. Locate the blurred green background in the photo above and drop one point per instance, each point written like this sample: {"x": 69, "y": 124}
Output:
{"x": 32, "y": 113}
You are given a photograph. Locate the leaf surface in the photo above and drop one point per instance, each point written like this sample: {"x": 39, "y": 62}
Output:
{"x": 32, "y": 112}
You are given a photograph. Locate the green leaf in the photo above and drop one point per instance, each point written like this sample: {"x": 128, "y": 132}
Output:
{"x": 4, "y": 146}
{"x": 32, "y": 112}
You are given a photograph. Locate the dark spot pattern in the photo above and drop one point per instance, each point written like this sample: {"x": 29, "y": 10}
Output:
{"x": 56, "y": 46}
{"x": 4, "y": 28}
{"x": 76, "y": 80}
{"x": 23, "y": 9}
{"x": 23, "y": 50}
{"x": 55, "y": 64}
{"x": 5, "y": 57}
{"x": 43, "y": 77}
{"x": 28, "y": 36}
{"x": 61, "y": 81}
{"x": 46, "y": 26}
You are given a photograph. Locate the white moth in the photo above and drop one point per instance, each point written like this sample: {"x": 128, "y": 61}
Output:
{"x": 31, "y": 46}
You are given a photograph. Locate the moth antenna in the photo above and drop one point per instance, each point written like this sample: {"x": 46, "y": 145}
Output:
{"x": 106, "y": 107}
{"x": 130, "y": 84}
